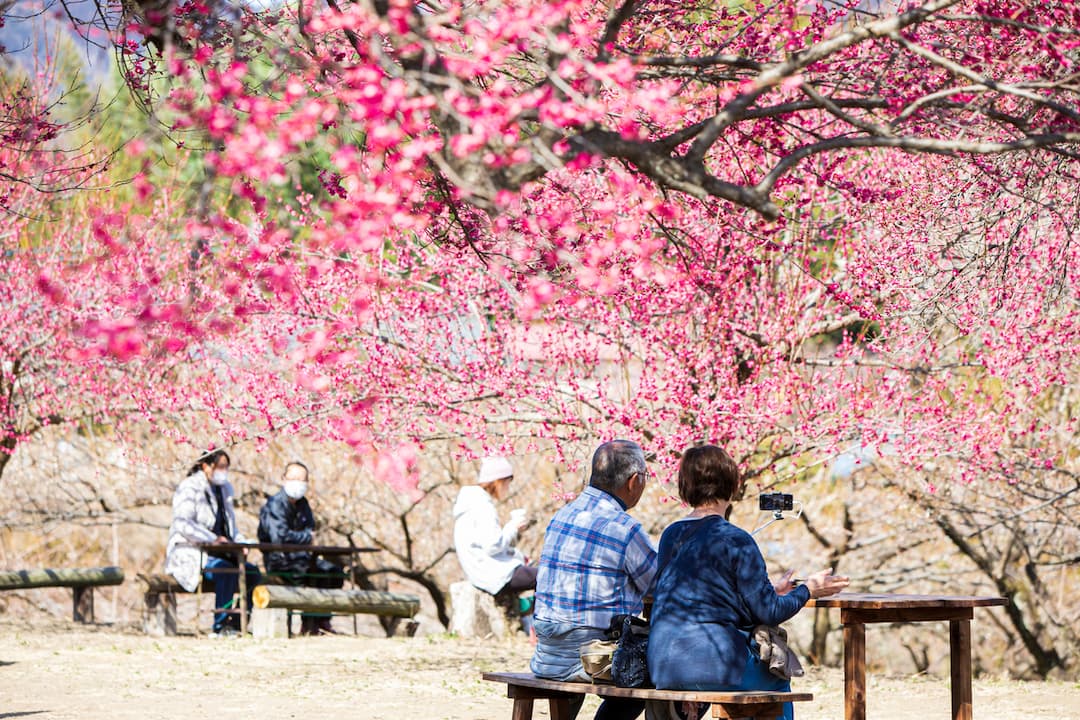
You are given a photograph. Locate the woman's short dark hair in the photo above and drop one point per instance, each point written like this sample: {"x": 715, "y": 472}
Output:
{"x": 209, "y": 458}
{"x": 707, "y": 473}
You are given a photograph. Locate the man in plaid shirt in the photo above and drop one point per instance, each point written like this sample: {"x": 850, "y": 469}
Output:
{"x": 597, "y": 562}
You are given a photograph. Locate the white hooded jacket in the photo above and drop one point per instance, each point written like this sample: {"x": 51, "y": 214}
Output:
{"x": 484, "y": 548}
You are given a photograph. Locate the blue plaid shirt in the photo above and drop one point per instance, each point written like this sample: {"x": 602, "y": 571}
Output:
{"x": 597, "y": 562}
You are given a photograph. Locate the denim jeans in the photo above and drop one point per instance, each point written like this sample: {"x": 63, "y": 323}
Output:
{"x": 557, "y": 657}
{"x": 758, "y": 677}
{"x": 226, "y": 585}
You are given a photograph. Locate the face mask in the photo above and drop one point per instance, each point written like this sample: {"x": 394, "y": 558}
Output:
{"x": 220, "y": 477}
{"x": 295, "y": 489}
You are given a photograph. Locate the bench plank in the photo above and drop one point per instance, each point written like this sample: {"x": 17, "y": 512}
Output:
{"x": 161, "y": 583}
{"x": 525, "y": 688}
{"x": 527, "y": 680}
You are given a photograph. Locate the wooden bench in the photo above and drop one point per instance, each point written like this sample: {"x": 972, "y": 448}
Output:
{"x": 524, "y": 688}
{"x": 159, "y": 601}
{"x": 82, "y": 582}
{"x": 276, "y": 602}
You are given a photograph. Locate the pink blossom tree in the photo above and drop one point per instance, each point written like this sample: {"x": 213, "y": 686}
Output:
{"x": 797, "y": 232}
{"x": 578, "y": 219}
{"x": 681, "y": 191}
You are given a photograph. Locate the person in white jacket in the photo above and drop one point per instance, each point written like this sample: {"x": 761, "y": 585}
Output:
{"x": 203, "y": 513}
{"x": 485, "y": 547}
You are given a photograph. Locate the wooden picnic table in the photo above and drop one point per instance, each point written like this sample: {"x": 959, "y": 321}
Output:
{"x": 859, "y": 609}
{"x": 241, "y": 549}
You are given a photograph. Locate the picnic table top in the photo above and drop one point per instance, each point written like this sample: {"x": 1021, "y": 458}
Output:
{"x": 284, "y": 547}
{"x": 890, "y": 601}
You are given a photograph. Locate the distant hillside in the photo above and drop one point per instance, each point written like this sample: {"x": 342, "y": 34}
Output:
{"x": 32, "y": 30}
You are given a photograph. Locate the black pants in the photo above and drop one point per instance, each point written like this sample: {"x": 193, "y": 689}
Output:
{"x": 317, "y": 572}
{"x": 320, "y": 573}
{"x": 323, "y": 574}
{"x": 610, "y": 709}
{"x": 524, "y": 578}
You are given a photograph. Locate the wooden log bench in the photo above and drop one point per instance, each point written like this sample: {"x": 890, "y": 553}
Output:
{"x": 273, "y": 604}
{"x": 82, "y": 582}
{"x": 524, "y": 688}
{"x": 159, "y": 601}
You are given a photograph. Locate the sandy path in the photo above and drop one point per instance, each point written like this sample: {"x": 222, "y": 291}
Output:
{"x": 66, "y": 671}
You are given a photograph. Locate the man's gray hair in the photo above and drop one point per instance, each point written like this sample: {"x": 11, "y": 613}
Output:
{"x": 614, "y": 462}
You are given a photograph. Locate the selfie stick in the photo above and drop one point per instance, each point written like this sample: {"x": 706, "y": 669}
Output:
{"x": 779, "y": 515}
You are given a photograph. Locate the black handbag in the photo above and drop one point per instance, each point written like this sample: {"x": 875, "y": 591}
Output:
{"x": 629, "y": 662}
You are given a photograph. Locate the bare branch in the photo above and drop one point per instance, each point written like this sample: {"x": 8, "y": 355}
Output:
{"x": 773, "y": 75}
{"x": 912, "y": 144}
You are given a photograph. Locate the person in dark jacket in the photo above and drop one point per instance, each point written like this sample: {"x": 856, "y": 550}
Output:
{"x": 286, "y": 518}
{"x": 712, "y": 589}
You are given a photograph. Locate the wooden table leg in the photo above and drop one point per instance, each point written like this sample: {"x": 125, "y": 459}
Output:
{"x": 241, "y": 565}
{"x": 960, "y": 666}
{"x": 855, "y": 671}
{"x": 198, "y": 594}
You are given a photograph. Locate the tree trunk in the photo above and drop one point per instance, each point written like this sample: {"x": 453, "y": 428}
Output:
{"x": 60, "y": 577}
{"x": 328, "y": 600}
{"x": 7, "y": 449}
{"x": 1041, "y": 649}
{"x": 817, "y": 652}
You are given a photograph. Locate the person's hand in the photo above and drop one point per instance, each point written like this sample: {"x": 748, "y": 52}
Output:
{"x": 785, "y": 584}
{"x": 824, "y": 583}
{"x": 220, "y": 539}
{"x": 519, "y": 519}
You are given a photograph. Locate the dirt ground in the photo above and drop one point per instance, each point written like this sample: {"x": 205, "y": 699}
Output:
{"x": 61, "y": 670}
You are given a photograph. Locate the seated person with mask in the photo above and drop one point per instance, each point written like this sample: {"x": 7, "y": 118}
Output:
{"x": 203, "y": 513}
{"x": 286, "y": 518}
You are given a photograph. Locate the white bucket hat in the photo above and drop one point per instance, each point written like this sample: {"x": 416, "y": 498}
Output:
{"x": 494, "y": 468}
